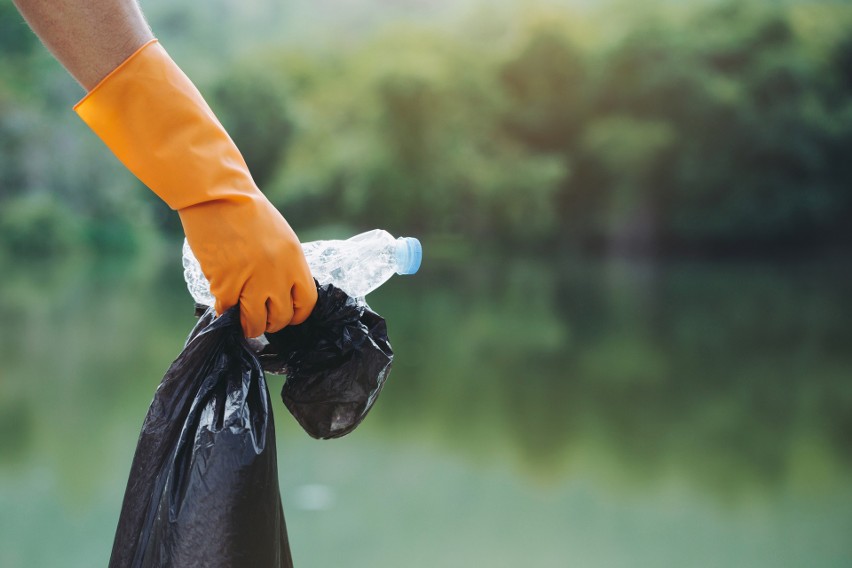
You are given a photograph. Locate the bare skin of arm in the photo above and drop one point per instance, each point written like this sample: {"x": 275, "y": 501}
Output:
{"x": 89, "y": 37}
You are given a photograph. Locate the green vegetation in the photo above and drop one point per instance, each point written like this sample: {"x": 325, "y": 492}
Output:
{"x": 706, "y": 370}
{"x": 713, "y": 128}
{"x": 730, "y": 377}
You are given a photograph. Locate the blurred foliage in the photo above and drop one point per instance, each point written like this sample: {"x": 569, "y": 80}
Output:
{"x": 732, "y": 375}
{"x": 15, "y": 37}
{"x": 254, "y": 113}
{"x": 656, "y": 392}
{"x": 36, "y": 224}
{"x": 715, "y": 128}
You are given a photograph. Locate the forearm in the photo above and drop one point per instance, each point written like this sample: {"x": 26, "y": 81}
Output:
{"x": 89, "y": 37}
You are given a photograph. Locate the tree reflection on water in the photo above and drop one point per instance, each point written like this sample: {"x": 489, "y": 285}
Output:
{"x": 732, "y": 376}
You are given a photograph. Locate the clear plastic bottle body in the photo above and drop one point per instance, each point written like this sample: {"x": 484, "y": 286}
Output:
{"x": 357, "y": 266}
{"x": 196, "y": 282}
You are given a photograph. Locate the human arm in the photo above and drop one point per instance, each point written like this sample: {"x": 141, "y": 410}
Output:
{"x": 156, "y": 122}
{"x": 89, "y": 38}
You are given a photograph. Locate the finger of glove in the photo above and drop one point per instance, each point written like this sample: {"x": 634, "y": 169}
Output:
{"x": 224, "y": 301}
{"x": 226, "y": 292}
{"x": 279, "y": 313}
{"x": 253, "y": 314}
{"x": 304, "y": 298}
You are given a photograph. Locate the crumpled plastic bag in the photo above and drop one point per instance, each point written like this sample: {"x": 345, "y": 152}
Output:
{"x": 203, "y": 488}
{"x": 336, "y": 363}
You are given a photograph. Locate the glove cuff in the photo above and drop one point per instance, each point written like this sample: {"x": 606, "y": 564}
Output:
{"x": 156, "y": 122}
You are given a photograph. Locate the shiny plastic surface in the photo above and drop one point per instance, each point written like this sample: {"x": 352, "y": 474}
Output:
{"x": 336, "y": 363}
{"x": 409, "y": 254}
{"x": 357, "y": 265}
{"x": 203, "y": 488}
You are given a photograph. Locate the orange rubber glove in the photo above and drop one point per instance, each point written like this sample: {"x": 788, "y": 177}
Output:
{"x": 156, "y": 122}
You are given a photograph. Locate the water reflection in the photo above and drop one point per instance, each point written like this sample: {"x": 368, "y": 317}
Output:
{"x": 609, "y": 390}
{"x": 83, "y": 343}
{"x": 732, "y": 376}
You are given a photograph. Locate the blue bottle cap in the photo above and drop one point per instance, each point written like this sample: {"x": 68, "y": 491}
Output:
{"x": 409, "y": 253}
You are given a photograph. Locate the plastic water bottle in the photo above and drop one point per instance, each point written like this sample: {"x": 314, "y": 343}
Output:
{"x": 357, "y": 265}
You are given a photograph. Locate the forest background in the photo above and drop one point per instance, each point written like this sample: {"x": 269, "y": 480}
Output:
{"x": 670, "y": 128}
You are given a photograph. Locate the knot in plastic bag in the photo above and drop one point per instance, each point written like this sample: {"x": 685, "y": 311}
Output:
{"x": 336, "y": 363}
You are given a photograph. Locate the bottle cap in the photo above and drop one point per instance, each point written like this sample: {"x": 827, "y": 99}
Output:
{"x": 409, "y": 253}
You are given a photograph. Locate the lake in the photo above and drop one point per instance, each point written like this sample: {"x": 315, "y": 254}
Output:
{"x": 542, "y": 413}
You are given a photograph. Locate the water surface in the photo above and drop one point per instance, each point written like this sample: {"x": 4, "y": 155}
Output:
{"x": 591, "y": 413}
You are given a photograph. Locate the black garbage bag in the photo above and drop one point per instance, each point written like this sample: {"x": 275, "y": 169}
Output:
{"x": 203, "y": 488}
{"x": 336, "y": 363}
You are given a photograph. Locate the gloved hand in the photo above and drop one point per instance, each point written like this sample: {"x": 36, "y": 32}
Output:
{"x": 156, "y": 122}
